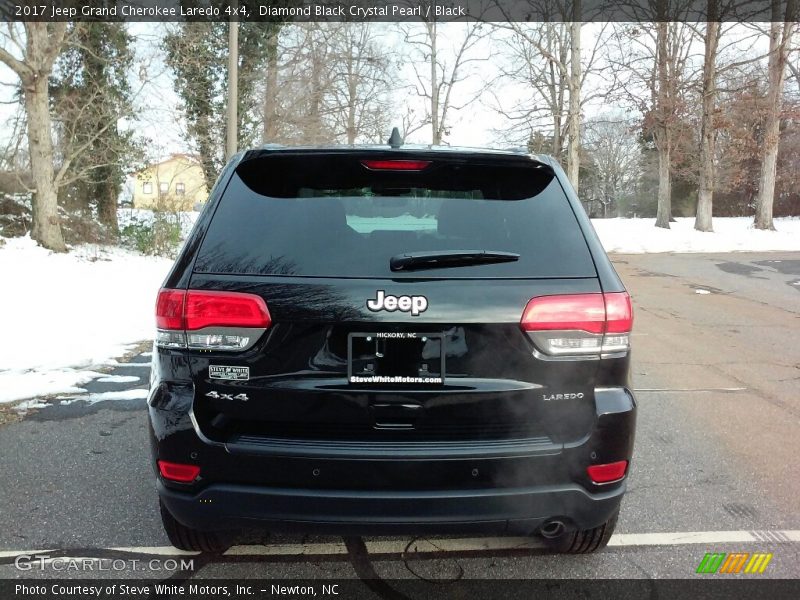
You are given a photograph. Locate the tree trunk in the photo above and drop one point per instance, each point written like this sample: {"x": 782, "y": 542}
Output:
{"x": 351, "y": 117}
{"x": 206, "y": 148}
{"x": 436, "y": 134}
{"x": 271, "y": 92}
{"x": 574, "y": 111}
{"x": 557, "y": 142}
{"x": 46, "y": 222}
{"x": 778, "y": 43}
{"x": 315, "y": 100}
{"x": 352, "y": 97}
{"x": 705, "y": 192}
{"x": 663, "y": 128}
{"x": 107, "y": 206}
{"x": 103, "y": 187}
{"x": 664, "y": 180}
{"x": 232, "y": 123}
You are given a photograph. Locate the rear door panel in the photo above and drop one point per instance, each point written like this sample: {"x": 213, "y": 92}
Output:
{"x": 494, "y": 386}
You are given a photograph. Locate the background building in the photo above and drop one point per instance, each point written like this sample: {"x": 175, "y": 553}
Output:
{"x": 177, "y": 183}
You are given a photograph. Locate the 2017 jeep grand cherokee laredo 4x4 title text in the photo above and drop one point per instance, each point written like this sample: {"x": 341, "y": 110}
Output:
{"x": 392, "y": 339}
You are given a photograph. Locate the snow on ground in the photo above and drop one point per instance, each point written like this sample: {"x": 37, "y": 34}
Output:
{"x": 134, "y": 394}
{"x": 731, "y": 234}
{"x": 118, "y": 379}
{"x": 66, "y": 312}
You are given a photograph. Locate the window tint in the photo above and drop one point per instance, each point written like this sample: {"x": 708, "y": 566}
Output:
{"x": 318, "y": 220}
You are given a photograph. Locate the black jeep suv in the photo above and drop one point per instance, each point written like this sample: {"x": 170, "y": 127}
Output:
{"x": 392, "y": 339}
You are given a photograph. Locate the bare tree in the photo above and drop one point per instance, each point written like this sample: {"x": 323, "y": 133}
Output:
{"x": 613, "y": 156}
{"x": 653, "y": 58}
{"x": 705, "y": 190}
{"x": 445, "y": 72}
{"x": 537, "y": 55}
{"x": 781, "y": 29}
{"x": 270, "y": 124}
{"x": 711, "y": 36}
{"x": 546, "y": 58}
{"x": 331, "y": 83}
{"x": 360, "y": 83}
{"x": 304, "y": 81}
{"x": 574, "y": 87}
{"x": 33, "y": 66}
{"x": 232, "y": 118}
{"x": 664, "y": 105}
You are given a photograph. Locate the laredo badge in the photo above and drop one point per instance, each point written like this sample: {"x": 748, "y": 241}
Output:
{"x": 226, "y": 372}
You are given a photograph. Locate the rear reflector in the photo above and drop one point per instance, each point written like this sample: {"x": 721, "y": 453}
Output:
{"x": 178, "y": 472}
{"x": 607, "y": 473}
{"x": 579, "y": 324}
{"x": 210, "y": 320}
{"x": 396, "y": 165}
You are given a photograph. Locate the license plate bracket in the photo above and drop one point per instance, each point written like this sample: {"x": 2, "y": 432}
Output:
{"x": 396, "y": 358}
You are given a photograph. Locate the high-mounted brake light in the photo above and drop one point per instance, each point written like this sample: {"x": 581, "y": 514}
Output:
{"x": 579, "y": 324}
{"x": 178, "y": 472}
{"x": 210, "y": 320}
{"x": 396, "y": 165}
{"x": 607, "y": 473}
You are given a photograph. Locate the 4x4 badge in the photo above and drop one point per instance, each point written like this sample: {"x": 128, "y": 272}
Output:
{"x": 413, "y": 304}
{"x": 218, "y": 396}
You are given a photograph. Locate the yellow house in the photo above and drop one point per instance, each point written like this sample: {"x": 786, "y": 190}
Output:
{"x": 177, "y": 183}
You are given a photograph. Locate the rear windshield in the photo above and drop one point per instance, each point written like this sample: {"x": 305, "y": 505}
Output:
{"x": 330, "y": 216}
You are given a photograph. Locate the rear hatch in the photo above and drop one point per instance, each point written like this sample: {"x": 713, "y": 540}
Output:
{"x": 394, "y": 284}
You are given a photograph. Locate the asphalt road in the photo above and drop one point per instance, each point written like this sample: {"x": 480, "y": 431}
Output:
{"x": 717, "y": 372}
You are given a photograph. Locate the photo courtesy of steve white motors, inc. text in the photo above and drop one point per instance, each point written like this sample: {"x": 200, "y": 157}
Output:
{"x": 191, "y": 590}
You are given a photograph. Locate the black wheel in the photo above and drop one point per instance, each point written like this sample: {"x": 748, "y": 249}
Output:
{"x": 586, "y": 541}
{"x": 186, "y": 538}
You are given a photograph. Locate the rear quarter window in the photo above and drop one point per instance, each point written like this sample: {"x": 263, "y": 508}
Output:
{"x": 329, "y": 216}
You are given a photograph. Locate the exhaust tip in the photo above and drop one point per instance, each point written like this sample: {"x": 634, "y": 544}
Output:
{"x": 552, "y": 529}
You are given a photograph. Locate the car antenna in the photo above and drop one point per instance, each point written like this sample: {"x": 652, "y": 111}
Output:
{"x": 395, "y": 141}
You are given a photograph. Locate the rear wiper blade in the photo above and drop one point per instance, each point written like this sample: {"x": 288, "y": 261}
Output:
{"x": 441, "y": 259}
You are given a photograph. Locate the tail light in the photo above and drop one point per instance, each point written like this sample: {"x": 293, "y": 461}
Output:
{"x": 178, "y": 472}
{"x": 579, "y": 324}
{"x": 206, "y": 320}
{"x": 607, "y": 473}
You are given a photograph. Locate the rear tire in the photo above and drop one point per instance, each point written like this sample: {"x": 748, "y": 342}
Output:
{"x": 585, "y": 541}
{"x": 186, "y": 538}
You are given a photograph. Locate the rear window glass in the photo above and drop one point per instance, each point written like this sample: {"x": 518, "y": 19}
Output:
{"x": 329, "y": 216}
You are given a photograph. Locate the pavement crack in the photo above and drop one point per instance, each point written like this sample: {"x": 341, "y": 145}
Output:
{"x": 407, "y": 557}
{"x": 359, "y": 558}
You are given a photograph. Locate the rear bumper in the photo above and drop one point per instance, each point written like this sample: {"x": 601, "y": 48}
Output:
{"x": 349, "y": 489}
{"x": 517, "y": 511}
